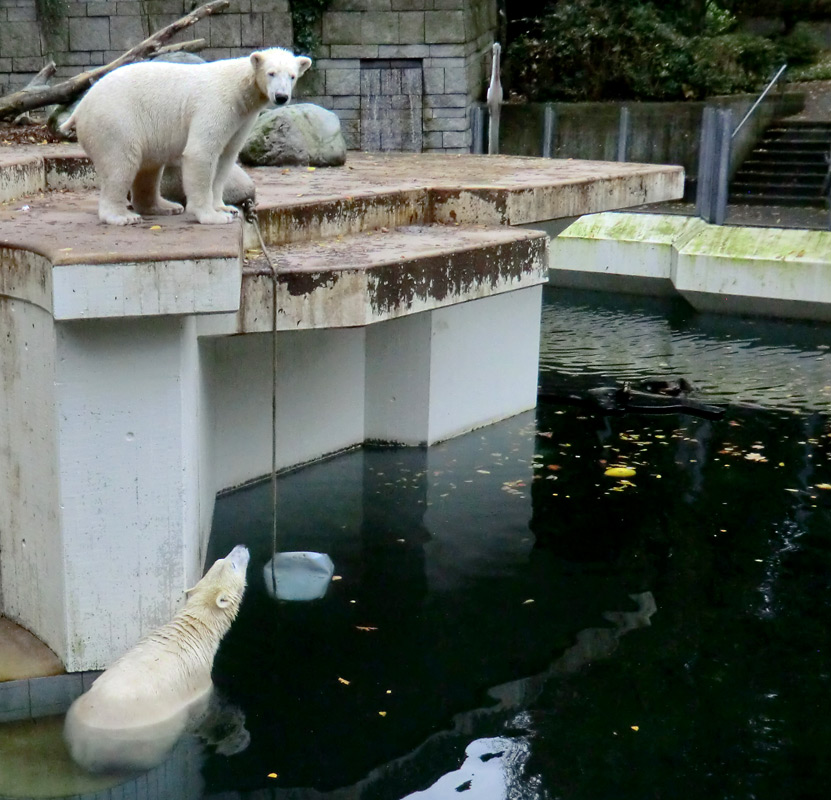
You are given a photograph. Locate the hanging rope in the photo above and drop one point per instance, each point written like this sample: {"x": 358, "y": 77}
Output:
{"x": 250, "y": 214}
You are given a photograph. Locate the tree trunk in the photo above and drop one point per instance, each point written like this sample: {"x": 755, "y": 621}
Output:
{"x": 65, "y": 92}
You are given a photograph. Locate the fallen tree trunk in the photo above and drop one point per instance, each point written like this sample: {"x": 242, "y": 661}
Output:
{"x": 67, "y": 91}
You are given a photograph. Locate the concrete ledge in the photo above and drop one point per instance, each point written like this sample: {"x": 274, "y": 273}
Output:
{"x": 377, "y": 276}
{"x": 725, "y": 269}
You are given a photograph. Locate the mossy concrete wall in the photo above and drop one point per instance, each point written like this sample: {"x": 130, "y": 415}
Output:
{"x": 773, "y": 272}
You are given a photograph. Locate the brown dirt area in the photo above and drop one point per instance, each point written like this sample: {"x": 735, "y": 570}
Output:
{"x": 11, "y": 134}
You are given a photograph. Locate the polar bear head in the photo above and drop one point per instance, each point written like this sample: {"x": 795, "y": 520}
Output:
{"x": 216, "y": 598}
{"x": 276, "y": 71}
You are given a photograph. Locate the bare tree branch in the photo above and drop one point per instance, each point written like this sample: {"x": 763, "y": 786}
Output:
{"x": 65, "y": 92}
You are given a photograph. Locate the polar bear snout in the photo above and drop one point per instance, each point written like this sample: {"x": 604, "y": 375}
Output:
{"x": 238, "y": 558}
{"x": 280, "y": 99}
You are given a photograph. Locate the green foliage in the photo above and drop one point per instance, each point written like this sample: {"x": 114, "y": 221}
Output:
{"x": 305, "y": 19}
{"x": 799, "y": 47}
{"x": 730, "y": 63}
{"x": 642, "y": 50}
{"x": 592, "y": 50}
{"x": 820, "y": 70}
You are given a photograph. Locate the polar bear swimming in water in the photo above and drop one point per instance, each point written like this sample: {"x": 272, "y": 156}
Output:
{"x": 142, "y": 117}
{"x": 135, "y": 712}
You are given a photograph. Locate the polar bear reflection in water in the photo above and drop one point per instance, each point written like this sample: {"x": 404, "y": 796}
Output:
{"x": 137, "y": 710}
{"x": 494, "y": 768}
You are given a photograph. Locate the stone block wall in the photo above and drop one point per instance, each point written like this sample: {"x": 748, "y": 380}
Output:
{"x": 450, "y": 38}
{"x": 447, "y": 41}
{"x": 96, "y": 32}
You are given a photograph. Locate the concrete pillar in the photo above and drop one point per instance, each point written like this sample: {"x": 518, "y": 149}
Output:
{"x": 440, "y": 373}
{"x": 130, "y": 449}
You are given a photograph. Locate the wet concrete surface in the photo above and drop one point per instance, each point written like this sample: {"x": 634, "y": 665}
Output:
{"x": 22, "y": 655}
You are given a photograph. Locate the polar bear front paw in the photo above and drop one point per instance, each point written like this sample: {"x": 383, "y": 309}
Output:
{"x": 213, "y": 217}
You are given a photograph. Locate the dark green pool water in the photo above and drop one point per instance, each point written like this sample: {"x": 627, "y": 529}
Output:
{"x": 508, "y": 558}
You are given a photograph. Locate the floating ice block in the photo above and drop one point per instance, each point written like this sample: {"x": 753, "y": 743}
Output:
{"x": 300, "y": 575}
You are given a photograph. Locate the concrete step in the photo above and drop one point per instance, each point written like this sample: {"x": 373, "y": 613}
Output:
{"x": 777, "y": 200}
{"x": 782, "y": 189}
{"x": 387, "y": 273}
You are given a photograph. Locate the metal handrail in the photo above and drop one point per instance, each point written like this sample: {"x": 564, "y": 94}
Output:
{"x": 759, "y": 100}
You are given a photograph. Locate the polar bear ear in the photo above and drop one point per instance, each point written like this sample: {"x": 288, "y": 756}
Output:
{"x": 222, "y": 600}
{"x": 256, "y": 59}
{"x": 303, "y": 63}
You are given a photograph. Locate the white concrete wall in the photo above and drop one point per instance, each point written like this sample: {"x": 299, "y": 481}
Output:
{"x": 484, "y": 361}
{"x": 320, "y": 406}
{"x": 128, "y": 394}
{"x": 31, "y": 557}
{"x": 398, "y": 357}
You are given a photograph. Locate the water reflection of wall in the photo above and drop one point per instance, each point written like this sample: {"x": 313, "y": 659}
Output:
{"x": 596, "y": 338}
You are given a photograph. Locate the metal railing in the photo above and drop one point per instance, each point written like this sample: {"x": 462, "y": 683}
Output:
{"x": 759, "y": 100}
{"x": 717, "y": 134}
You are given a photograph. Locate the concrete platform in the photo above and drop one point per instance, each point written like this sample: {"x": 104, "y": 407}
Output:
{"x": 136, "y": 361}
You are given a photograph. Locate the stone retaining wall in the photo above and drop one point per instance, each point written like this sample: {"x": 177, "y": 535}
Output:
{"x": 94, "y": 33}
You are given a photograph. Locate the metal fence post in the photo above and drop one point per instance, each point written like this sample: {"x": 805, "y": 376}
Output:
{"x": 623, "y": 134}
{"x": 549, "y": 131}
{"x": 478, "y": 132}
{"x": 706, "y": 149}
{"x": 722, "y": 166}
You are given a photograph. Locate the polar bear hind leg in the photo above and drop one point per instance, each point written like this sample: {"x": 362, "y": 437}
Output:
{"x": 146, "y": 197}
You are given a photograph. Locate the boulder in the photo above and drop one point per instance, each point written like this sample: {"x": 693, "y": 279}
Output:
{"x": 297, "y": 134}
{"x": 238, "y": 188}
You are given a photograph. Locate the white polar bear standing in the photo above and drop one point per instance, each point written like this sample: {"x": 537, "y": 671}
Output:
{"x": 142, "y": 117}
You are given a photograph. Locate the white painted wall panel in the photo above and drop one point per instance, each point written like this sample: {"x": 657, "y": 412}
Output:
{"x": 398, "y": 380}
{"x": 484, "y": 361}
{"x": 320, "y": 400}
{"x": 31, "y": 555}
{"x": 124, "y": 457}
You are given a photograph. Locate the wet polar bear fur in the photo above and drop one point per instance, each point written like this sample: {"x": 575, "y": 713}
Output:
{"x": 142, "y": 117}
{"x": 135, "y": 712}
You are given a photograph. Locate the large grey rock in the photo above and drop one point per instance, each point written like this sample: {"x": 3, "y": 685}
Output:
{"x": 298, "y": 134}
{"x": 239, "y": 187}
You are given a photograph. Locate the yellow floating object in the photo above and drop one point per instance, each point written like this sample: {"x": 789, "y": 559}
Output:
{"x": 620, "y": 472}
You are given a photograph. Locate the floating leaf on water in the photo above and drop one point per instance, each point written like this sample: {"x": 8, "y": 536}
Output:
{"x": 529, "y": 600}
{"x": 271, "y": 775}
{"x": 755, "y": 457}
{"x": 554, "y": 467}
{"x": 337, "y": 577}
{"x": 635, "y": 727}
{"x": 483, "y": 471}
{"x": 382, "y": 713}
{"x": 822, "y": 485}
{"x": 620, "y": 472}
{"x": 343, "y": 681}
{"x": 365, "y": 628}
{"x": 155, "y": 227}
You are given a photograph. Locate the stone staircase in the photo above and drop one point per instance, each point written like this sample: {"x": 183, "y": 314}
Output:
{"x": 787, "y": 167}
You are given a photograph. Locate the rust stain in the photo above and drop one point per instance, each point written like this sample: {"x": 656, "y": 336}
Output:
{"x": 445, "y": 276}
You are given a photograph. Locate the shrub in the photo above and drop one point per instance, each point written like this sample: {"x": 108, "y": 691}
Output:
{"x": 588, "y": 49}
{"x": 597, "y": 50}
